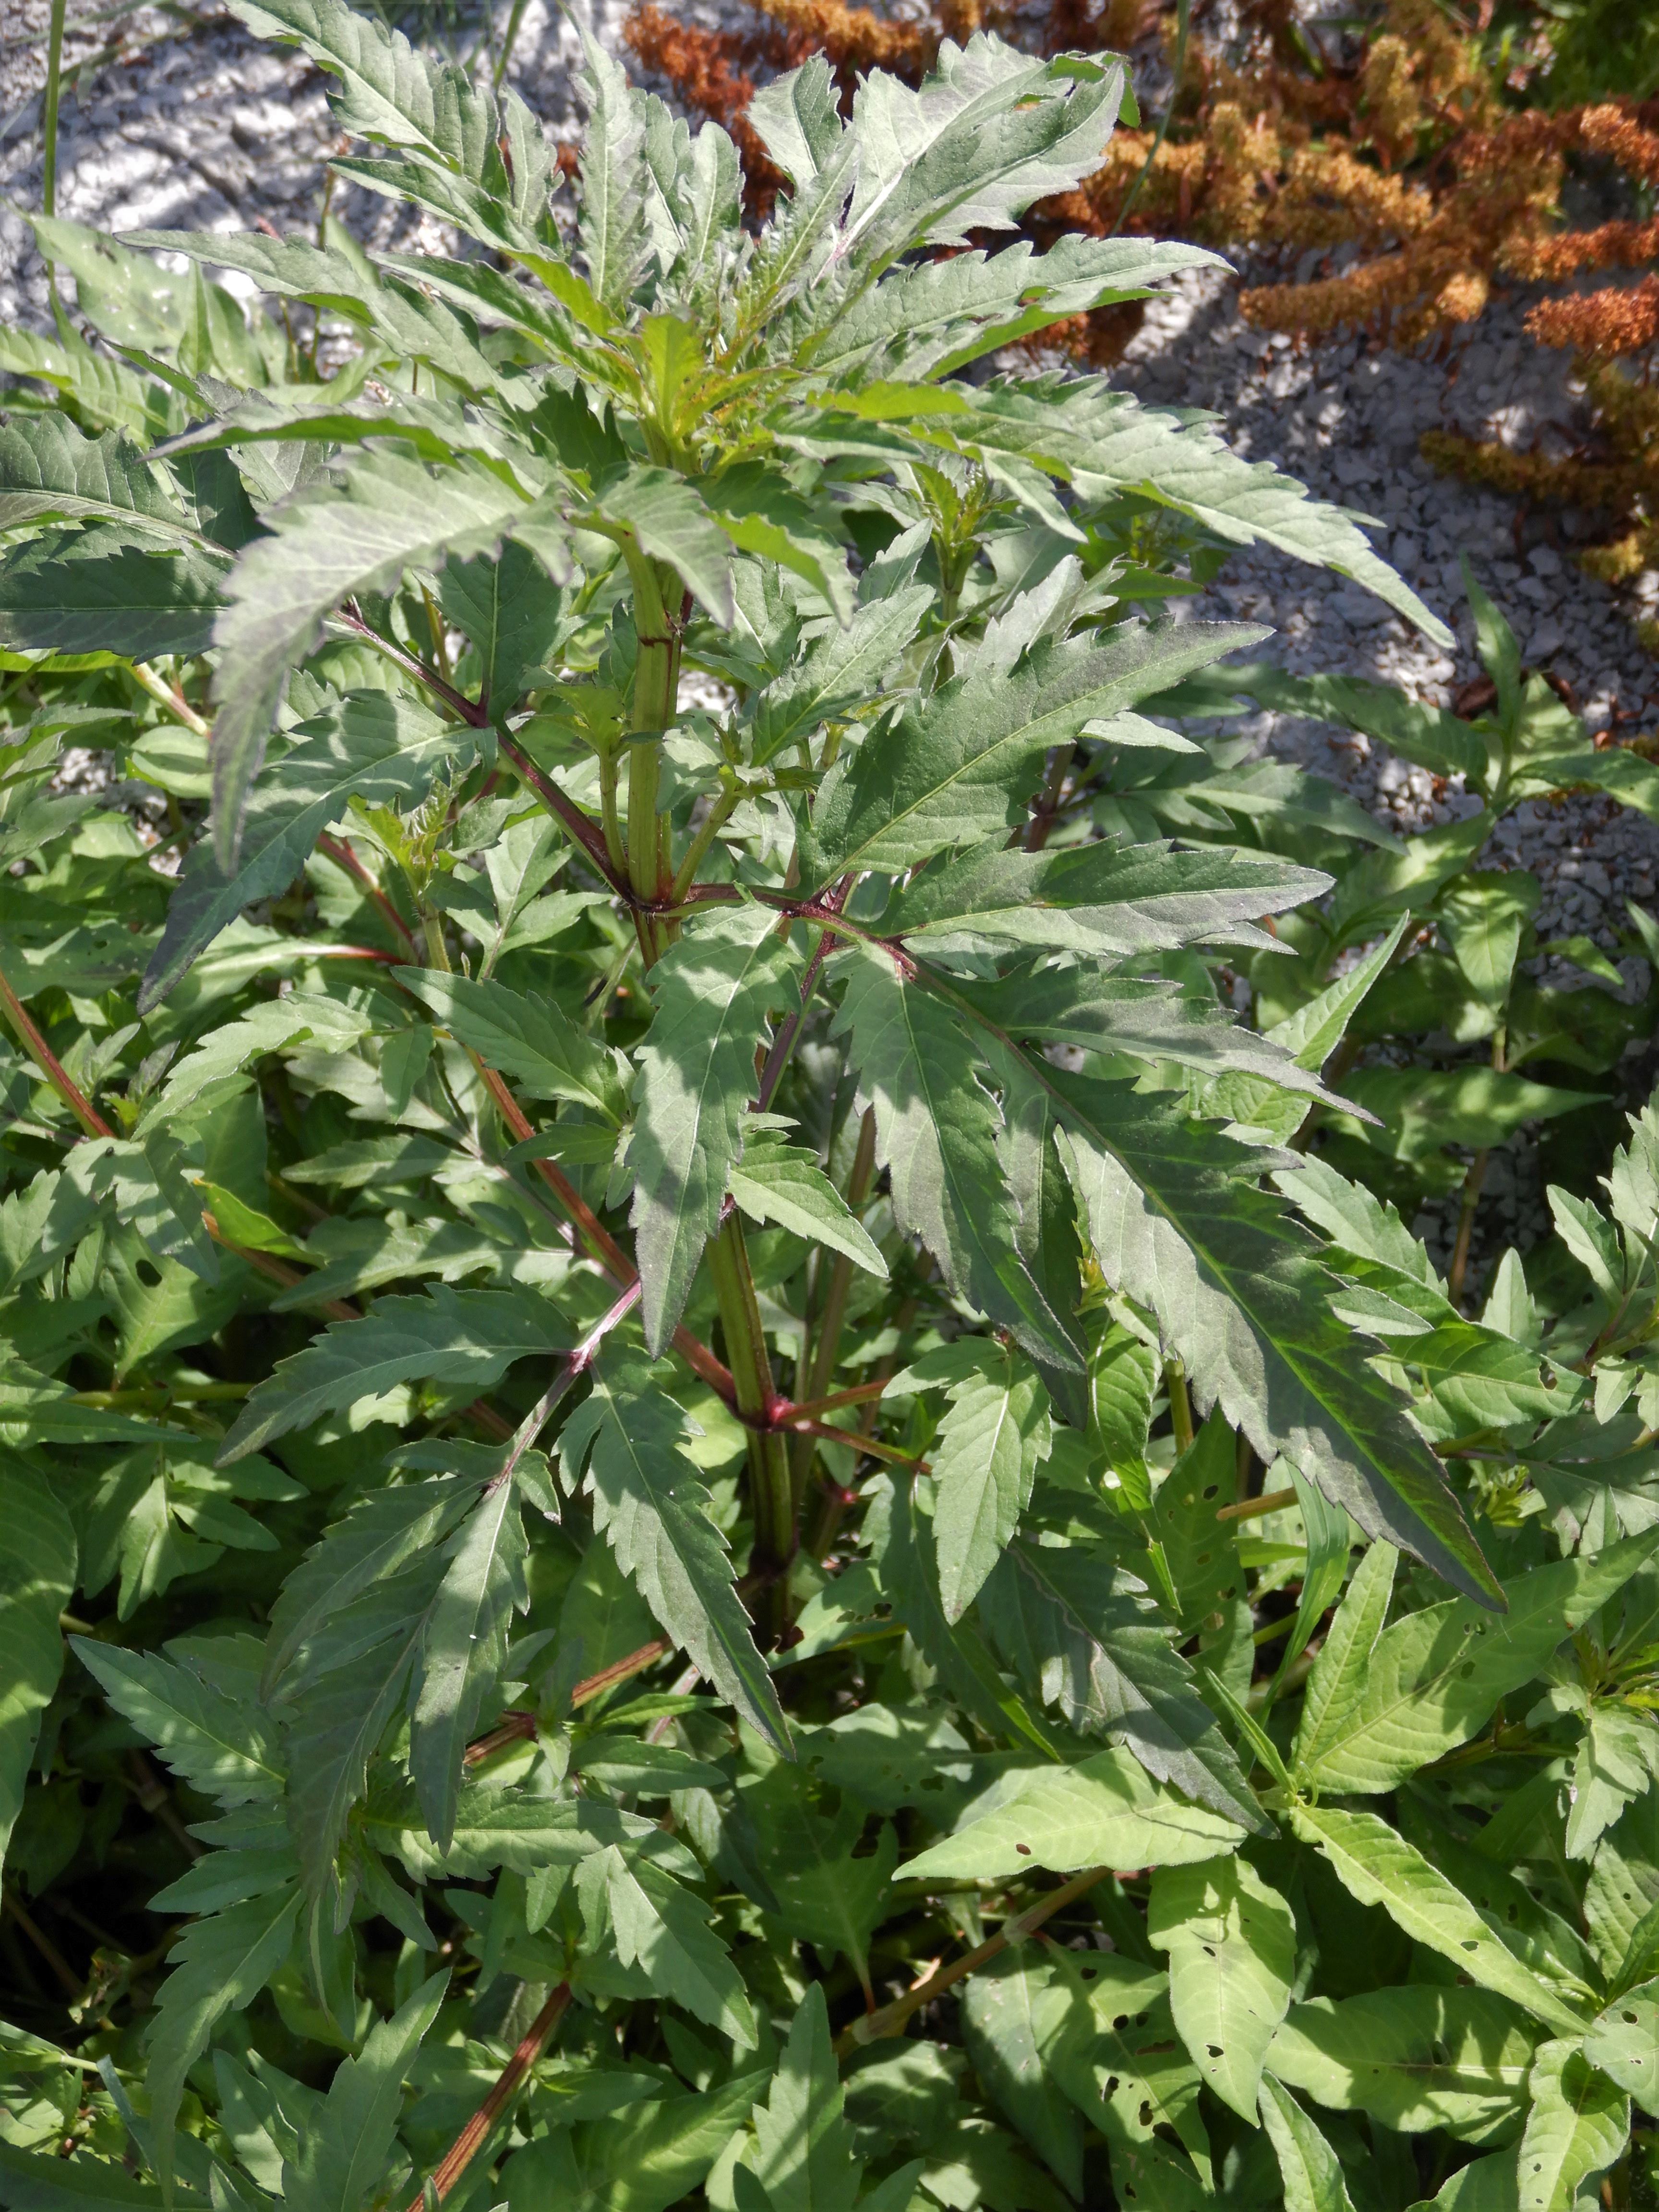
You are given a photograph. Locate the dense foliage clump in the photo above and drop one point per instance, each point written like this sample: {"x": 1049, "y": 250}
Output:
{"x": 748, "y": 1510}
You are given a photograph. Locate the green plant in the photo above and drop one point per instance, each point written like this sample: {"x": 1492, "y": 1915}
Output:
{"x": 875, "y": 1414}
{"x": 1424, "y": 943}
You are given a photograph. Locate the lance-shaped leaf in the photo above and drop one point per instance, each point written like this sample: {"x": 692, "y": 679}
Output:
{"x": 453, "y": 1337}
{"x": 803, "y": 2146}
{"x": 1579, "y": 2124}
{"x": 382, "y": 750}
{"x": 1377, "y": 1866}
{"x": 994, "y": 1435}
{"x": 712, "y": 993}
{"x": 522, "y": 1036}
{"x": 668, "y": 520}
{"x": 1231, "y": 1942}
{"x": 1415, "y": 2058}
{"x": 648, "y": 1502}
{"x": 1102, "y": 898}
{"x": 382, "y": 1533}
{"x": 220, "y": 1964}
{"x": 221, "y": 1745}
{"x": 100, "y": 590}
{"x": 909, "y": 1578}
{"x": 1106, "y": 1811}
{"x": 1014, "y": 2011}
{"x": 959, "y": 766}
{"x": 339, "y": 1703}
{"x": 928, "y": 317}
{"x": 783, "y": 1183}
{"x": 49, "y": 472}
{"x": 615, "y": 179}
{"x": 660, "y": 1926}
{"x": 343, "y": 2152}
{"x": 838, "y": 674}
{"x": 936, "y": 1133}
{"x": 1085, "y": 1636}
{"x": 1178, "y": 1225}
{"x": 991, "y": 130}
{"x": 37, "y": 1580}
{"x": 1080, "y": 1007}
{"x": 485, "y": 1583}
{"x": 326, "y": 542}
{"x": 390, "y": 93}
{"x": 1104, "y": 443}
{"x": 1309, "y": 2167}
{"x": 1433, "y": 1679}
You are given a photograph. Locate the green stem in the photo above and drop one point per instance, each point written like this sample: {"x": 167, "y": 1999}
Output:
{"x": 656, "y": 691}
{"x": 432, "y": 928}
{"x": 718, "y": 815}
{"x": 609, "y": 818}
{"x": 49, "y": 112}
{"x": 772, "y": 1497}
{"x": 1184, "y": 24}
{"x": 1181, "y": 1406}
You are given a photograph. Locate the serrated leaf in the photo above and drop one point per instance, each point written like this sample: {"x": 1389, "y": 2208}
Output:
{"x": 220, "y": 1964}
{"x": 783, "y": 1183}
{"x": 802, "y": 2145}
{"x": 512, "y": 616}
{"x": 959, "y": 766}
{"x": 102, "y": 589}
{"x": 382, "y": 750}
{"x": 1100, "y": 898}
{"x": 668, "y": 519}
{"x": 1231, "y": 1942}
{"x": 909, "y": 1578}
{"x": 219, "y": 1745}
{"x": 325, "y": 543}
{"x": 838, "y": 674}
{"x": 485, "y": 1583}
{"x": 936, "y": 1133}
{"x": 824, "y": 1891}
{"x": 451, "y": 1337}
{"x": 663, "y": 1928}
{"x": 643, "y": 2159}
{"x": 49, "y": 472}
{"x": 522, "y": 1036}
{"x": 37, "y": 1580}
{"x": 263, "y": 1028}
{"x": 712, "y": 993}
{"x": 1103, "y": 443}
{"x": 1379, "y": 1867}
{"x": 343, "y": 2152}
{"x": 1105, "y": 1811}
{"x": 1085, "y": 1634}
{"x": 1178, "y": 1222}
{"x": 994, "y": 1435}
{"x": 649, "y": 1503}
{"x": 1433, "y": 1679}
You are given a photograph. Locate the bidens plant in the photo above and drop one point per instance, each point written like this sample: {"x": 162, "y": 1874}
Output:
{"x": 677, "y": 1127}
